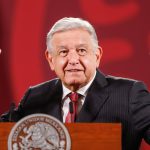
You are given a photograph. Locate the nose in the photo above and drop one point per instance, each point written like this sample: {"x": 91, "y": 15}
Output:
{"x": 73, "y": 57}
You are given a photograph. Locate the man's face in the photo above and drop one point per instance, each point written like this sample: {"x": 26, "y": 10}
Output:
{"x": 73, "y": 57}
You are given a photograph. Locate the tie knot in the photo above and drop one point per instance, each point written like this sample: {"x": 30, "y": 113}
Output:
{"x": 73, "y": 97}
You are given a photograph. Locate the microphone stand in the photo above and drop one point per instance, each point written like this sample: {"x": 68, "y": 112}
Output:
{"x": 11, "y": 111}
{"x": 71, "y": 110}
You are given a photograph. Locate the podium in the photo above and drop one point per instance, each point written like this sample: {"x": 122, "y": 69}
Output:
{"x": 84, "y": 136}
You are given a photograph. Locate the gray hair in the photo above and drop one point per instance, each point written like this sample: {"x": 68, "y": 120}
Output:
{"x": 66, "y": 24}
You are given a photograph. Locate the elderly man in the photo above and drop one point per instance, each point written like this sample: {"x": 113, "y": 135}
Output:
{"x": 81, "y": 93}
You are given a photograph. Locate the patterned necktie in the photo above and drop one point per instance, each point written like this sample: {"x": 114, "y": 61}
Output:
{"x": 71, "y": 116}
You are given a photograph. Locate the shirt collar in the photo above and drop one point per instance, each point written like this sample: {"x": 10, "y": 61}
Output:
{"x": 83, "y": 90}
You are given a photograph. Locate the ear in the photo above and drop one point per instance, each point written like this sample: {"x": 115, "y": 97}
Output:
{"x": 49, "y": 58}
{"x": 99, "y": 53}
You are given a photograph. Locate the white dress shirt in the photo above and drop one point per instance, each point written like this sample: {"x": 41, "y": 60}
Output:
{"x": 65, "y": 99}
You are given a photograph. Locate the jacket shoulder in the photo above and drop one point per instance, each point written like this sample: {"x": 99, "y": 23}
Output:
{"x": 44, "y": 86}
{"x": 121, "y": 80}
{"x": 125, "y": 83}
{"x": 40, "y": 92}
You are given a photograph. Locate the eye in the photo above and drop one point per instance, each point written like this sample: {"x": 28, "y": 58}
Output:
{"x": 82, "y": 51}
{"x": 63, "y": 53}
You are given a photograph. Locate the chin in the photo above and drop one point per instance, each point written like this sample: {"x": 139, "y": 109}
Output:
{"x": 76, "y": 82}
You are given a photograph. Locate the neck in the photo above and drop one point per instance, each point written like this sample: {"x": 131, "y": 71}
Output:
{"x": 73, "y": 88}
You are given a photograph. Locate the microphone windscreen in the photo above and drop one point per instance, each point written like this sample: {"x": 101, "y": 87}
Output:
{"x": 71, "y": 107}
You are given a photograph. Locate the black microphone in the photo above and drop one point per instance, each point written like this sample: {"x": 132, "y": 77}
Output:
{"x": 71, "y": 107}
{"x": 11, "y": 111}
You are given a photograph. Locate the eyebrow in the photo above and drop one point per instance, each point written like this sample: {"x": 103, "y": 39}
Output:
{"x": 62, "y": 47}
{"x": 80, "y": 45}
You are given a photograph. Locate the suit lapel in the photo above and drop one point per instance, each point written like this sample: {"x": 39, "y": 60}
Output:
{"x": 54, "y": 104}
{"x": 95, "y": 99}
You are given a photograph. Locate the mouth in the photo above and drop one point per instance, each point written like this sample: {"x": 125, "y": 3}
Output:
{"x": 73, "y": 70}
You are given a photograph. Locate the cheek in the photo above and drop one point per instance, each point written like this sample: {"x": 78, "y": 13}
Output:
{"x": 59, "y": 64}
{"x": 89, "y": 63}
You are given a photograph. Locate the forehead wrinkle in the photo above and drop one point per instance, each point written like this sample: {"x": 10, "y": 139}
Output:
{"x": 71, "y": 42}
{"x": 76, "y": 46}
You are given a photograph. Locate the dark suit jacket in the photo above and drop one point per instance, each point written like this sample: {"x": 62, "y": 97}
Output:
{"x": 109, "y": 99}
